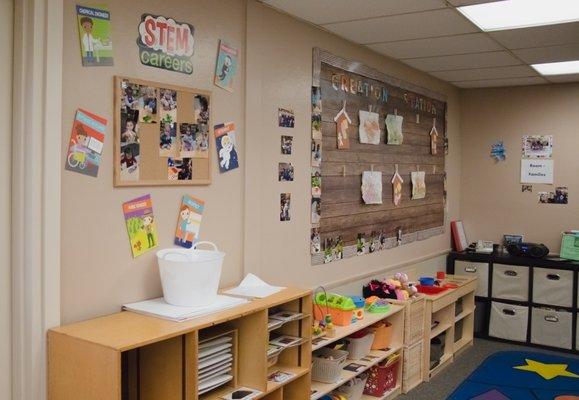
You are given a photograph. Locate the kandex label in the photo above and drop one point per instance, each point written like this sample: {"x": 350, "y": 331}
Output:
{"x": 165, "y": 43}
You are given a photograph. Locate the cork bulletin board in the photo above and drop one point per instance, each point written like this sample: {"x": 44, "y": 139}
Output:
{"x": 342, "y": 213}
{"x": 161, "y": 134}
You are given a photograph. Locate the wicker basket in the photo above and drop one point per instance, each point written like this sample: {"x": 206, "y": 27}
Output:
{"x": 328, "y": 370}
{"x": 413, "y": 318}
{"x": 359, "y": 347}
{"x": 354, "y": 388}
{"x": 412, "y": 374}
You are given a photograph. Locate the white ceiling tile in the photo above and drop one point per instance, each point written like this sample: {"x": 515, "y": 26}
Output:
{"x": 458, "y": 3}
{"x": 441, "y": 46}
{"x": 564, "y": 78}
{"x": 501, "y": 82}
{"x": 538, "y": 36}
{"x": 486, "y": 73}
{"x": 403, "y": 27}
{"x": 540, "y": 55}
{"x": 463, "y": 61}
{"x": 328, "y": 11}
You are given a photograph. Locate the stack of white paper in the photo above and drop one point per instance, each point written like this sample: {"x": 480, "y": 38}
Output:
{"x": 215, "y": 363}
{"x": 160, "y": 308}
{"x": 254, "y": 287}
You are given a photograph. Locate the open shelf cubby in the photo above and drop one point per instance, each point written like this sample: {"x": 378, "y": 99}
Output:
{"x": 127, "y": 356}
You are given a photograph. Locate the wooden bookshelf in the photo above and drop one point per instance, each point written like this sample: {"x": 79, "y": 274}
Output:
{"x": 128, "y": 356}
{"x": 395, "y": 316}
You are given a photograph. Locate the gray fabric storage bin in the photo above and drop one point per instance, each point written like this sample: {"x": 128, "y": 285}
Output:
{"x": 552, "y": 328}
{"x": 478, "y": 269}
{"x": 509, "y": 321}
{"x": 553, "y": 287}
{"x": 510, "y": 282}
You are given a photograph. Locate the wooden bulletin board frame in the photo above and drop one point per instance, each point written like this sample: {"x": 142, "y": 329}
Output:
{"x": 342, "y": 210}
{"x": 153, "y": 163}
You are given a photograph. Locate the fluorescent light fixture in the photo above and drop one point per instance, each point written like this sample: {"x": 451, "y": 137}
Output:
{"x": 512, "y": 14}
{"x": 557, "y": 68}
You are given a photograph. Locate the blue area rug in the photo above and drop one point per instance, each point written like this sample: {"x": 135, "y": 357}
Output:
{"x": 521, "y": 375}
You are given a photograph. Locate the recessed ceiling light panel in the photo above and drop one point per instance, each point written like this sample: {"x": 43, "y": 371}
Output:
{"x": 557, "y": 68}
{"x": 512, "y": 14}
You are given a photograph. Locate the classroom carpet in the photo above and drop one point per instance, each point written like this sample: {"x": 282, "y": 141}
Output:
{"x": 449, "y": 383}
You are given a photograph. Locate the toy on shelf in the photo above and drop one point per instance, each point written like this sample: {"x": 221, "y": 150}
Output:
{"x": 396, "y": 288}
{"x": 360, "y": 303}
{"x": 374, "y": 304}
{"x": 339, "y": 308}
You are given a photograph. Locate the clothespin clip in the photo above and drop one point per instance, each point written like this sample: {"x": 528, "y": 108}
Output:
{"x": 417, "y": 118}
{"x": 372, "y": 167}
{"x": 417, "y": 167}
{"x": 434, "y": 121}
{"x": 343, "y": 171}
{"x": 434, "y": 169}
{"x": 396, "y": 111}
{"x": 396, "y": 167}
{"x": 370, "y": 107}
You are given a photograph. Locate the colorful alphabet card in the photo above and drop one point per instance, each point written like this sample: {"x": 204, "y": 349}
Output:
{"x": 141, "y": 224}
{"x": 94, "y": 30}
{"x": 189, "y": 221}
{"x": 226, "y": 66}
{"x": 226, "y": 144}
{"x": 86, "y": 143}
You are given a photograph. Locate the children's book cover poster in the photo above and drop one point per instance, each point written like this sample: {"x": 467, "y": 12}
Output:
{"x": 141, "y": 224}
{"x": 189, "y": 221}
{"x": 86, "y": 143}
{"x": 94, "y": 31}
{"x": 226, "y": 145}
{"x": 226, "y": 66}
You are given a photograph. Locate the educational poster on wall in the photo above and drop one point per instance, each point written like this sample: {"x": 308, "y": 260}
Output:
{"x": 189, "y": 221}
{"x": 536, "y": 171}
{"x": 141, "y": 225}
{"x": 538, "y": 146}
{"x": 94, "y": 30}
{"x": 226, "y": 66}
{"x": 226, "y": 144}
{"x": 165, "y": 43}
{"x": 86, "y": 143}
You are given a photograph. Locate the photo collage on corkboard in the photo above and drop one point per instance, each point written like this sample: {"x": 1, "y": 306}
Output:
{"x": 377, "y": 160}
{"x": 162, "y": 134}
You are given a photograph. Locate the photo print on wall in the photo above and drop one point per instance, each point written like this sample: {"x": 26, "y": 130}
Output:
{"x": 226, "y": 145}
{"x": 148, "y": 104}
{"x": 179, "y": 169}
{"x": 167, "y": 139}
{"x": 285, "y": 118}
{"x": 86, "y": 143}
{"x": 559, "y": 196}
{"x": 189, "y": 221}
{"x": 94, "y": 29}
{"x": 538, "y": 146}
{"x": 316, "y": 113}
{"x": 285, "y": 207}
{"x": 316, "y": 153}
{"x": 285, "y": 172}
{"x": 286, "y": 145}
{"x": 168, "y": 102}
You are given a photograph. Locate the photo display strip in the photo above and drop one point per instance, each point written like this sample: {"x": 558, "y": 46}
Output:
{"x": 378, "y": 149}
{"x": 161, "y": 134}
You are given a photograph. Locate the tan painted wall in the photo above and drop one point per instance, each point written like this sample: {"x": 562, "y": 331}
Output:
{"x": 491, "y": 200}
{"x": 279, "y": 73}
{"x": 98, "y": 274}
{"x": 6, "y": 8}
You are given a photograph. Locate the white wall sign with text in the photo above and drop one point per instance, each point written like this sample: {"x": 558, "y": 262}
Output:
{"x": 536, "y": 171}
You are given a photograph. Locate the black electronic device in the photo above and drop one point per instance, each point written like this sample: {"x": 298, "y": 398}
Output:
{"x": 533, "y": 250}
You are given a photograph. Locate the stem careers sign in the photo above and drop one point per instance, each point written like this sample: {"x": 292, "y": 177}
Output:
{"x": 165, "y": 43}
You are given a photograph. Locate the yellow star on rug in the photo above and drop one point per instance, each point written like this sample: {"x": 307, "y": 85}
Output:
{"x": 547, "y": 371}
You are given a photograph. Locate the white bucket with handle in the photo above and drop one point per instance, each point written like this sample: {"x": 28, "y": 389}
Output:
{"x": 190, "y": 277}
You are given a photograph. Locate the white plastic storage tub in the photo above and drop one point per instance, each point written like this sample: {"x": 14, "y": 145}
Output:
{"x": 552, "y": 328}
{"x": 190, "y": 277}
{"x": 510, "y": 282}
{"x": 478, "y": 269}
{"x": 553, "y": 287}
{"x": 359, "y": 347}
{"x": 509, "y": 321}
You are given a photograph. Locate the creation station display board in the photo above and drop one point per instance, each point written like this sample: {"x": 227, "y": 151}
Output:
{"x": 162, "y": 134}
{"x": 356, "y": 208}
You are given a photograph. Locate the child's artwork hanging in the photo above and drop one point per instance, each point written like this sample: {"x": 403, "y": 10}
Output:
{"x": 397, "y": 182}
{"x": 394, "y": 128}
{"x": 369, "y": 128}
{"x": 418, "y": 185}
{"x": 161, "y": 134}
{"x": 86, "y": 143}
{"x": 189, "y": 221}
{"x": 226, "y": 66}
{"x": 94, "y": 29}
{"x": 498, "y": 151}
{"x": 433, "y": 138}
{"x": 226, "y": 145}
{"x": 372, "y": 187}
{"x": 342, "y": 121}
{"x": 141, "y": 225}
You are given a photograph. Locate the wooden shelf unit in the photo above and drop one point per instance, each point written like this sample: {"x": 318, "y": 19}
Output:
{"x": 394, "y": 316}
{"x": 442, "y": 307}
{"x": 128, "y": 356}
